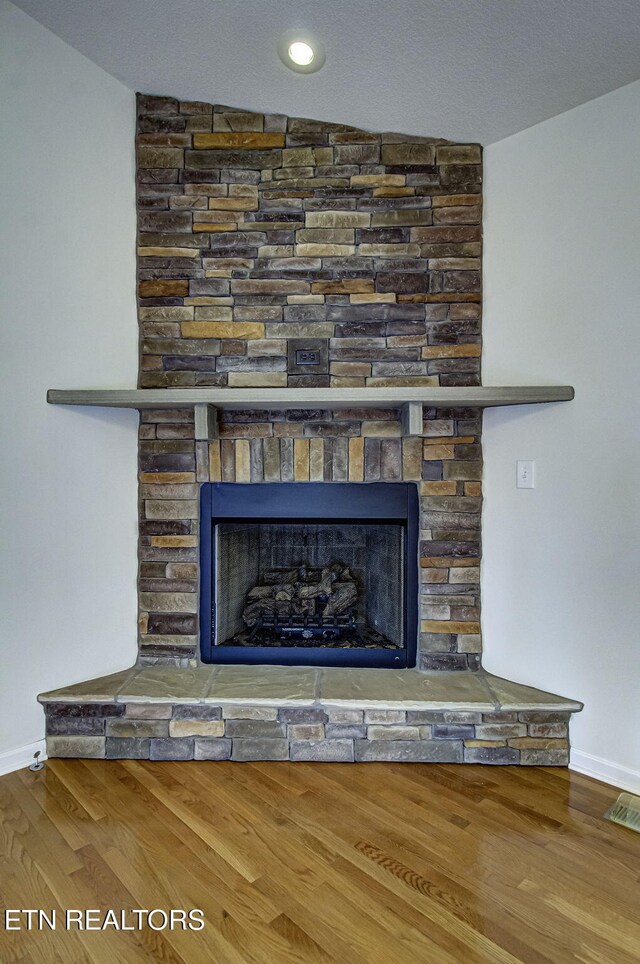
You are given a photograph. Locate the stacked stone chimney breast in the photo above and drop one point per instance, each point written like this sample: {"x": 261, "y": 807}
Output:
{"x": 285, "y": 252}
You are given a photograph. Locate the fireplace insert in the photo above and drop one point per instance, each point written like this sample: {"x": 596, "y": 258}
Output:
{"x": 309, "y": 573}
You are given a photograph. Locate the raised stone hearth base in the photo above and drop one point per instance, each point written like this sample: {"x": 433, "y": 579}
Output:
{"x": 302, "y": 713}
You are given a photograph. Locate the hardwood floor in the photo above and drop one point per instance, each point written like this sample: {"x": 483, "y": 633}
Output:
{"x": 320, "y": 862}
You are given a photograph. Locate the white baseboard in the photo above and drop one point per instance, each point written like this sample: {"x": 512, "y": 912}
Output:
{"x": 600, "y": 769}
{"x": 21, "y": 757}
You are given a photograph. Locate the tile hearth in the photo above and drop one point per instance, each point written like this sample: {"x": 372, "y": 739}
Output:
{"x": 305, "y": 713}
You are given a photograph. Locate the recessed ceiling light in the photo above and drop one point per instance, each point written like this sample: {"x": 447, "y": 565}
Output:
{"x": 301, "y": 52}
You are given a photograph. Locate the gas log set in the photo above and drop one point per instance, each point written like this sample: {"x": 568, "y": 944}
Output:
{"x": 303, "y": 603}
{"x": 307, "y": 606}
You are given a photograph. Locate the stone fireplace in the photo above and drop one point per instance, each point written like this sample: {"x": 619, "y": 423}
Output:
{"x": 282, "y": 252}
{"x": 277, "y": 255}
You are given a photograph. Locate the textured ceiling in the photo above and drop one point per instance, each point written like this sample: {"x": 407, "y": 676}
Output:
{"x": 470, "y": 70}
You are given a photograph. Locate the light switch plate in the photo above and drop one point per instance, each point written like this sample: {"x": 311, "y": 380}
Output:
{"x": 525, "y": 474}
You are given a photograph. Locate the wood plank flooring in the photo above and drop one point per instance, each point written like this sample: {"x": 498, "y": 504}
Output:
{"x": 398, "y": 863}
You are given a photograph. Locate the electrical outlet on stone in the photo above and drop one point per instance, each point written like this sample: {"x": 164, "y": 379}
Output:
{"x": 308, "y": 356}
{"x": 525, "y": 474}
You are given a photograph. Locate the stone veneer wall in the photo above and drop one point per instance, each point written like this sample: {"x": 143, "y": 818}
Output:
{"x": 165, "y": 731}
{"x": 259, "y": 236}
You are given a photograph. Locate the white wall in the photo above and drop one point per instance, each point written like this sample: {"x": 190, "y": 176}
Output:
{"x": 561, "y": 599}
{"x": 67, "y": 316}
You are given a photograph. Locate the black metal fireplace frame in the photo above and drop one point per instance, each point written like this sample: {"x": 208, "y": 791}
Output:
{"x": 390, "y": 503}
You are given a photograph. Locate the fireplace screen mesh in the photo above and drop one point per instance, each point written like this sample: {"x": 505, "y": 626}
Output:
{"x": 309, "y": 584}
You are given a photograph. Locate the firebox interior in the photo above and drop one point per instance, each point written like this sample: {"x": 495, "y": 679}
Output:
{"x": 293, "y": 603}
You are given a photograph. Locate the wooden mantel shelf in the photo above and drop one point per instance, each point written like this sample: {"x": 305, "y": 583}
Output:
{"x": 207, "y": 400}
{"x": 280, "y": 398}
